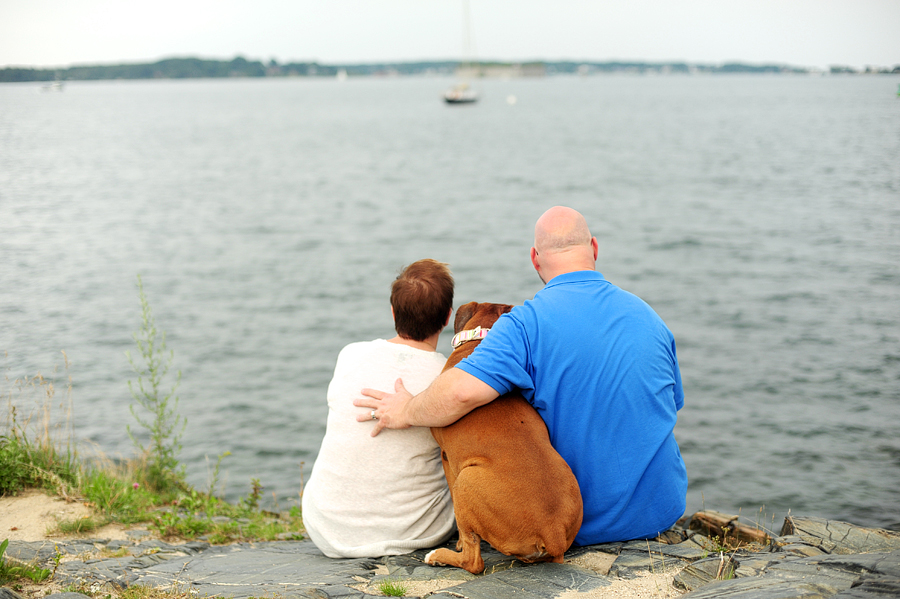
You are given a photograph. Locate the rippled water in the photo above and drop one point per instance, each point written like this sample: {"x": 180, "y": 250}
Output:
{"x": 760, "y": 216}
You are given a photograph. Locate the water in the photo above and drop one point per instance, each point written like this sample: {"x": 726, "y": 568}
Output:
{"x": 759, "y": 215}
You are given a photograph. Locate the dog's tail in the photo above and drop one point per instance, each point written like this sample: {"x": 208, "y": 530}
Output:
{"x": 548, "y": 549}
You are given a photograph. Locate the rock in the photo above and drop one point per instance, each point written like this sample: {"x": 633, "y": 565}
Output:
{"x": 136, "y": 535}
{"x": 872, "y": 587}
{"x": 802, "y": 549}
{"x": 30, "y": 551}
{"x": 6, "y": 593}
{"x": 760, "y": 588}
{"x": 697, "y": 575}
{"x": 842, "y": 538}
{"x": 544, "y": 581}
{"x": 812, "y": 558}
{"x": 862, "y": 575}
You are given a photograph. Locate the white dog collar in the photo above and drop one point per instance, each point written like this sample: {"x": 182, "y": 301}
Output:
{"x": 469, "y": 335}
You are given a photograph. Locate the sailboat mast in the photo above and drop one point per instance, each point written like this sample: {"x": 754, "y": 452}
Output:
{"x": 468, "y": 50}
{"x": 461, "y": 93}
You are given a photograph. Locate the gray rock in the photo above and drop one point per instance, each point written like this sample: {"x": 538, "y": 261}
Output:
{"x": 760, "y": 588}
{"x": 872, "y": 587}
{"x": 254, "y": 570}
{"x": 886, "y": 564}
{"x": 846, "y": 538}
{"x": 823, "y": 545}
{"x": 812, "y": 558}
{"x": 537, "y": 581}
{"x": 697, "y": 575}
{"x": 810, "y": 571}
{"x": 755, "y": 564}
{"x": 802, "y": 549}
{"x": 638, "y": 557}
{"x": 825, "y": 576}
{"x": 689, "y": 550}
{"x": 33, "y": 551}
{"x": 7, "y": 593}
{"x": 67, "y": 596}
{"x": 631, "y": 564}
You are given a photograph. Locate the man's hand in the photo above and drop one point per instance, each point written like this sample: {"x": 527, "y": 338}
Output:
{"x": 387, "y": 408}
{"x": 450, "y": 396}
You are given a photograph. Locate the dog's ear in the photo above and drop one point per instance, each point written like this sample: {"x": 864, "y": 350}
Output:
{"x": 463, "y": 315}
{"x": 504, "y": 308}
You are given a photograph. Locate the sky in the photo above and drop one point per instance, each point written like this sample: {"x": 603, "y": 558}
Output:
{"x": 808, "y": 33}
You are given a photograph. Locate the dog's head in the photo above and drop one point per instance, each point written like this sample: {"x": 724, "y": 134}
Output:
{"x": 473, "y": 314}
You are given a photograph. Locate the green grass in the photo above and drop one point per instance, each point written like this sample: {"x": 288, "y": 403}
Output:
{"x": 80, "y": 525}
{"x": 393, "y": 587}
{"x": 38, "y": 450}
{"x": 119, "y": 491}
{"x": 31, "y": 456}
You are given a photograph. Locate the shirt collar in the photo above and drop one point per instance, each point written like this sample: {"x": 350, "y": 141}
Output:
{"x": 577, "y": 276}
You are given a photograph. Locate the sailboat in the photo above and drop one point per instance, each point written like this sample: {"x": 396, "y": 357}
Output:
{"x": 461, "y": 93}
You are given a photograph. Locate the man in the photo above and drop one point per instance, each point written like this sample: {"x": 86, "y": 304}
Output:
{"x": 366, "y": 496}
{"x": 599, "y": 366}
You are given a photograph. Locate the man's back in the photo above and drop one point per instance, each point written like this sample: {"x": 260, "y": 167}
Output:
{"x": 600, "y": 367}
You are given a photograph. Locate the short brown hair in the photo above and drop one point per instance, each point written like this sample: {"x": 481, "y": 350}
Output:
{"x": 422, "y": 297}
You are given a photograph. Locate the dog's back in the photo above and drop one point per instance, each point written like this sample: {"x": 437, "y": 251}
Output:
{"x": 509, "y": 486}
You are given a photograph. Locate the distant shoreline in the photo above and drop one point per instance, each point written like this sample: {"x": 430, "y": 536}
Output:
{"x": 196, "y": 68}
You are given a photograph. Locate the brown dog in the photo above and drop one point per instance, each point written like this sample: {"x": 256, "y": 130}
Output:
{"x": 509, "y": 486}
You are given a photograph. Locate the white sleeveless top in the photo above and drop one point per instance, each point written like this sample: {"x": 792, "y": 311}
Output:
{"x": 386, "y": 495}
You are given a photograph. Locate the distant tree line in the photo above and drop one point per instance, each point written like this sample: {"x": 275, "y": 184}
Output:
{"x": 196, "y": 68}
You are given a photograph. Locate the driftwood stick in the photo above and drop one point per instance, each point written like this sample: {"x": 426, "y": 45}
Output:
{"x": 727, "y": 527}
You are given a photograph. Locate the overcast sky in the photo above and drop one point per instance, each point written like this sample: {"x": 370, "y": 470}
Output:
{"x": 813, "y": 33}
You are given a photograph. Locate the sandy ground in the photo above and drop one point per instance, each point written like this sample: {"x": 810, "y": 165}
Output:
{"x": 33, "y": 516}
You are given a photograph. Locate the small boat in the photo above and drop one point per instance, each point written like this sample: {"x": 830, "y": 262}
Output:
{"x": 460, "y": 94}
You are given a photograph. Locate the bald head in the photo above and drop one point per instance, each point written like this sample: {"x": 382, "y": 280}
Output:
{"x": 562, "y": 243}
{"x": 561, "y": 229}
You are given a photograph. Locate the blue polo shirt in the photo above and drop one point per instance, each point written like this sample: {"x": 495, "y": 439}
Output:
{"x": 599, "y": 365}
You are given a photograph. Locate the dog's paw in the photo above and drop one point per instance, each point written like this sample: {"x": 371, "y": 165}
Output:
{"x": 429, "y": 559}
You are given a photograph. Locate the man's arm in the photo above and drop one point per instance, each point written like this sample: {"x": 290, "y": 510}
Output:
{"x": 450, "y": 396}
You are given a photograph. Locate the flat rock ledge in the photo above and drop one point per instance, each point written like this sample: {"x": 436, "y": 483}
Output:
{"x": 811, "y": 558}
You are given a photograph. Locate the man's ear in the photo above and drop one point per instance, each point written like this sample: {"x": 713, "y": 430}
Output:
{"x": 535, "y": 261}
{"x": 595, "y": 247}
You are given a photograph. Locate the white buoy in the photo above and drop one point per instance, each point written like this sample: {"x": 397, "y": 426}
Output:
{"x": 511, "y": 100}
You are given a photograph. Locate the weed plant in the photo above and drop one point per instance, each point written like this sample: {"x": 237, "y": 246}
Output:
{"x": 150, "y": 488}
{"x": 157, "y": 408}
